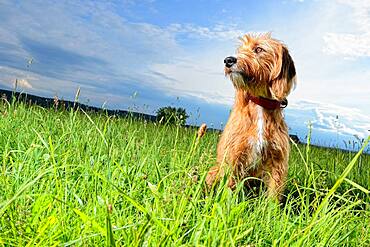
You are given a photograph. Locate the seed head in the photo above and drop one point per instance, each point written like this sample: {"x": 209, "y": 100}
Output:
{"x": 202, "y": 130}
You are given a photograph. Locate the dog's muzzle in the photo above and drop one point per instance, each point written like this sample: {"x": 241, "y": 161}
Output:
{"x": 230, "y": 61}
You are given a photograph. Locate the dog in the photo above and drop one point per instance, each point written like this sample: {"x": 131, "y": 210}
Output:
{"x": 255, "y": 141}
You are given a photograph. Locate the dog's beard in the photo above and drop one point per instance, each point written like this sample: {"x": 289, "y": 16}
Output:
{"x": 240, "y": 79}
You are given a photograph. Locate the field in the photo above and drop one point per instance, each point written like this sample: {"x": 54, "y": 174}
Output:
{"x": 70, "y": 178}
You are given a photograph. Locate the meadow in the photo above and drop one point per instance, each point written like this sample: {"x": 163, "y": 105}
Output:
{"x": 75, "y": 178}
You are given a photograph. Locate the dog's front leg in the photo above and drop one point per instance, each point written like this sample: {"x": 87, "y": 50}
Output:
{"x": 216, "y": 173}
{"x": 275, "y": 179}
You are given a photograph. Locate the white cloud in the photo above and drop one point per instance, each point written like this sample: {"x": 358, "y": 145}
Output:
{"x": 35, "y": 83}
{"x": 348, "y": 45}
{"x": 355, "y": 43}
{"x": 137, "y": 52}
{"x": 218, "y": 32}
{"x": 332, "y": 125}
{"x": 199, "y": 75}
{"x": 129, "y": 49}
{"x": 22, "y": 83}
{"x": 360, "y": 12}
{"x": 331, "y": 118}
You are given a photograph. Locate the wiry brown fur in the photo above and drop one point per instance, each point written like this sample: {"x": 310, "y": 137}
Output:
{"x": 255, "y": 141}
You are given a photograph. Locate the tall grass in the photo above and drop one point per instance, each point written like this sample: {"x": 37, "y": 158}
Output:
{"x": 70, "y": 178}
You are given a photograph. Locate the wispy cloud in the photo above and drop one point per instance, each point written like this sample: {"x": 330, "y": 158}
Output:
{"x": 93, "y": 46}
{"x": 348, "y": 45}
{"x": 329, "y": 117}
{"x": 332, "y": 125}
{"x": 355, "y": 43}
{"x": 217, "y": 32}
{"x": 22, "y": 83}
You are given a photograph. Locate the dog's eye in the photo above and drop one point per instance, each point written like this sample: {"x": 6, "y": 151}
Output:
{"x": 258, "y": 50}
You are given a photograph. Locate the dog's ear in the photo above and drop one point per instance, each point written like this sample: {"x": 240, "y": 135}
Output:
{"x": 285, "y": 76}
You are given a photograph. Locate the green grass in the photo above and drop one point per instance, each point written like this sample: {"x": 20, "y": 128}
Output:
{"x": 69, "y": 179}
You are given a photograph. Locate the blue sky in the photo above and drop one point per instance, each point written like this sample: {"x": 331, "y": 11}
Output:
{"x": 146, "y": 54}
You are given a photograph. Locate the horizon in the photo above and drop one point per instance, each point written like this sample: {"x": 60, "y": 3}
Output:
{"x": 147, "y": 54}
{"x": 352, "y": 145}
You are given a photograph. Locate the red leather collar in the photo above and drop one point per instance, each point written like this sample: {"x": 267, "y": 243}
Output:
{"x": 268, "y": 104}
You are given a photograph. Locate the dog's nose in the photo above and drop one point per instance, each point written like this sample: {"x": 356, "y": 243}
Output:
{"x": 230, "y": 61}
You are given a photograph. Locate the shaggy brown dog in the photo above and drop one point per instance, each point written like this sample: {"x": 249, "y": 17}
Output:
{"x": 255, "y": 141}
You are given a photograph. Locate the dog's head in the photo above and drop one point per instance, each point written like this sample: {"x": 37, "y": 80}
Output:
{"x": 262, "y": 67}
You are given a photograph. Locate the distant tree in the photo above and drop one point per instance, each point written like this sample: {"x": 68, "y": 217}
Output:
{"x": 172, "y": 115}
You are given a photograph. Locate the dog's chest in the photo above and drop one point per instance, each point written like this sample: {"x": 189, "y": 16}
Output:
{"x": 260, "y": 135}
{"x": 257, "y": 140}
{"x": 248, "y": 139}
{"x": 244, "y": 139}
